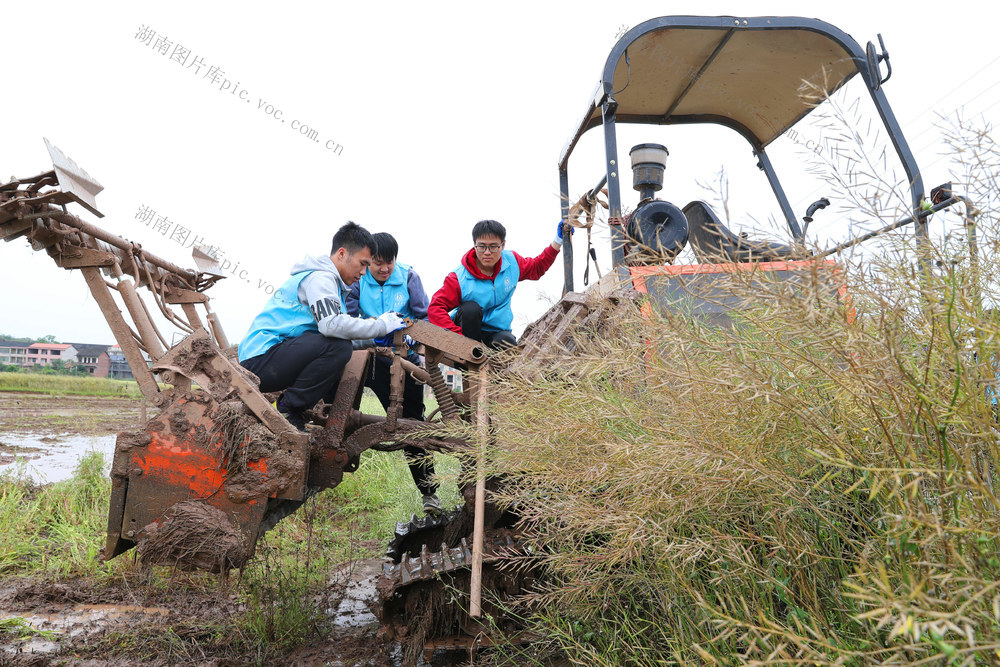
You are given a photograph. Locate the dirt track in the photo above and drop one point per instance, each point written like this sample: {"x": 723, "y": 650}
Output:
{"x": 131, "y": 614}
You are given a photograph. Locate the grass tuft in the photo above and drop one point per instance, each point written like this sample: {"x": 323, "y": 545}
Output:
{"x": 63, "y": 385}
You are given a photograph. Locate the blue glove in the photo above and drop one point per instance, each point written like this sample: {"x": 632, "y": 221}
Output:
{"x": 387, "y": 341}
{"x": 559, "y": 232}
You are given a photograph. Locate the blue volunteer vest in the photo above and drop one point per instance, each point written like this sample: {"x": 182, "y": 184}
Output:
{"x": 283, "y": 317}
{"x": 394, "y": 295}
{"x": 493, "y": 296}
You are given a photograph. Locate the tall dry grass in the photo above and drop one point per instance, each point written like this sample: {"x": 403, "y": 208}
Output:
{"x": 816, "y": 484}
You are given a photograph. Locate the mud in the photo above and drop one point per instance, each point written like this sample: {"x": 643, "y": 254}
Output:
{"x": 244, "y": 439}
{"x": 75, "y": 623}
{"x": 58, "y": 416}
{"x": 10, "y": 453}
{"x": 60, "y": 623}
{"x": 196, "y": 535}
{"x": 43, "y": 437}
{"x": 133, "y": 620}
{"x": 198, "y": 361}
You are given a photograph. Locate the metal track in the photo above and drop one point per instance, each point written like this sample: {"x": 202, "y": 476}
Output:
{"x": 423, "y": 593}
{"x": 423, "y": 600}
{"x": 418, "y": 532}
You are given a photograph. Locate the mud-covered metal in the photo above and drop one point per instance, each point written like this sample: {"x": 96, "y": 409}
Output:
{"x": 217, "y": 465}
{"x": 419, "y": 531}
{"x": 453, "y": 347}
{"x": 423, "y": 592}
{"x": 182, "y": 456}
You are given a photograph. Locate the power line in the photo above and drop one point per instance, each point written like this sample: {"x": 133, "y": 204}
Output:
{"x": 924, "y": 168}
{"x": 936, "y": 102}
{"x": 969, "y": 101}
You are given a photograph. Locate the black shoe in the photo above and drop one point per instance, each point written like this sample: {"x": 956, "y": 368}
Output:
{"x": 294, "y": 417}
{"x": 432, "y": 505}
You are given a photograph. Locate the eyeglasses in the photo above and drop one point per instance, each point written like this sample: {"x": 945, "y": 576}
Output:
{"x": 493, "y": 247}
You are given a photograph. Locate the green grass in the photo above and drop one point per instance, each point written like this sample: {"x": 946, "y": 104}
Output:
{"x": 61, "y": 385}
{"x": 16, "y": 629}
{"x": 56, "y": 529}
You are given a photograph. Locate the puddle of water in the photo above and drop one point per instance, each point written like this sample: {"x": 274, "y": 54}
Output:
{"x": 81, "y": 620}
{"x": 51, "y": 458}
{"x": 352, "y": 611}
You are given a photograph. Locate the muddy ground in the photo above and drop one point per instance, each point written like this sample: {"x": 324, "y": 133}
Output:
{"x": 49, "y": 434}
{"x": 124, "y": 622}
{"x": 59, "y": 415}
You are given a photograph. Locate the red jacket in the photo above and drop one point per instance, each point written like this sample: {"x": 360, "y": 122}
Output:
{"x": 449, "y": 296}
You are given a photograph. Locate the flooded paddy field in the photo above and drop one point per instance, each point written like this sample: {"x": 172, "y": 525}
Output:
{"x": 43, "y": 437}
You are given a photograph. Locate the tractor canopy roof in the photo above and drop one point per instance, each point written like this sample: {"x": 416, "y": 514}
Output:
{"x": 758, "y": 76}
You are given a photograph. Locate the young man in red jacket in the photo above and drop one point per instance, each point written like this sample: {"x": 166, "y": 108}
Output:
{"x": 475, "y": 298}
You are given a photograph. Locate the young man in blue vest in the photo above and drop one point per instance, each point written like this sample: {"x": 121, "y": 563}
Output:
{"x": 391, "y": 286}
{"x": 475, "y": 298}
{"x": 302, "y": 340}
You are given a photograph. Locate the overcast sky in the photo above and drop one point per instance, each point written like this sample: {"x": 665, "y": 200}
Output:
{"x": 428, "y": 118}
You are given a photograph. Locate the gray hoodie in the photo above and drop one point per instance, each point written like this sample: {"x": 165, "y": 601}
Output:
{"x": 321, "y": 291}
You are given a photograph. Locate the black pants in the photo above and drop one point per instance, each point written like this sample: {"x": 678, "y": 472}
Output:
{"x": 420, "y": 462}
{"x": 469, "y": 316}
{"x": 307, "y": 368}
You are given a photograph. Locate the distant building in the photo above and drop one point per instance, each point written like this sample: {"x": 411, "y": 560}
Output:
{"x": 13, "y": 353}
{"x": 452, "y": 377}
{"x": 118, "y": 368}
{"x": 43, "y": 354}
{"x": 94, "y": 358}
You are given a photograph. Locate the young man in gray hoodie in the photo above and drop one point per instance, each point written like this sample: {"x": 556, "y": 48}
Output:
{"x": 302, "y": 340}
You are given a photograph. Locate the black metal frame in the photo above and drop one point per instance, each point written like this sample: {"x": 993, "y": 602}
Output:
{"x": 603, "y": 99}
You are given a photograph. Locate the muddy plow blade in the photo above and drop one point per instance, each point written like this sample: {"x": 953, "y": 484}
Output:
{"x": 194, "y": 486}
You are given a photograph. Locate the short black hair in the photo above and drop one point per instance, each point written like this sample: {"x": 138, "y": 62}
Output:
{"x": 352, "y": 237}
{"x": 489, "y": 228}
{"x": 387, "y": 247}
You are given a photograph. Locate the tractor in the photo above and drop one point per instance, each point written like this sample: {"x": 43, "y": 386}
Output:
{"x": 217, "y": 465}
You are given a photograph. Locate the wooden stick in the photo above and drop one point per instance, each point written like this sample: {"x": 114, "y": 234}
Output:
{"x": 482, "y": 424}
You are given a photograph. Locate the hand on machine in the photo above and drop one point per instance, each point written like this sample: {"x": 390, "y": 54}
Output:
{"x": 558, "y": 240}
{"x": 393, "y": 322}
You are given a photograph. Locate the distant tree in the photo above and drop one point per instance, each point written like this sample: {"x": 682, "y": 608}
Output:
{"x": 16, "y": 339}
{"x": 47, "y": 339}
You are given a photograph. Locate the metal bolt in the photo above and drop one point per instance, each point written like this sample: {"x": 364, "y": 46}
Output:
{"x": 130, "y": 533}
{"x": 614, "y": 175}
{"x": 137, "y": 472}
{"x": 612, "y": 162}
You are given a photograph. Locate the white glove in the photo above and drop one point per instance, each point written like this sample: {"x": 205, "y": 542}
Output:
{"x": 391, "y": 321}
